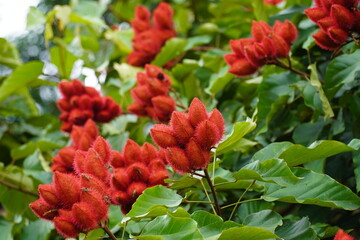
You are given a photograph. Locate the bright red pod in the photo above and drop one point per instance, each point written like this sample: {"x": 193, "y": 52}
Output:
{"x": 141, "y": 94}
{"x": 78, "y": 87}
{"x": 66, "y": 126}
{"x": 84, "y": 216}
{"x": 135, "y": 189}
{"x": 315, "y": 14}
{"x": 117, "y": 160}
{"x": 98, "y": 103}
{"x": 67, "y": 188}
{"x": 259, "y": 30}
{"x": 156, "y": 164}
{"x": 66, "y": 155}
{"x": 163, "y": 15}
{"x": 140, "y": 25}
{"x": 59, "y": 167}
{"x": 341, "y": 235}
{"x": 199, "y": 158}
{"x": 207, "y": 134}
{"x": 149, "y": 152}
{"x": 85, "y": 102}
{"x": 77, "y": 117}
{"x": 324, "y": 41}
{"x": 131, "y": 152}
{"x": 79, "y": 161}
{"x": 236, "y": 47}
{"x": 242, "y": 68}
{"x": 177, "y": 158}
{"x": 103, "y": 116}
{"x": 163, "y": 105}
{"x": 66, "y": 89}
{"x": 97, "y": 201}
{"x": 182, "y": 127}
{"x": 345, "y": 3}
{"x": 120, "y": 198}
{"x": 259, "y": 51}
{"x": 342, "y": 16}
{"x": 157, "y": 87}
{"x": 326, "y": 23}
{"x": 65, "y": 226}
{"x": 252, "y": 58}
{"x": 337, "y": 35}
{"x": 325, "y": 4}
{"x": 92, "y": 92}
{"x": 142, "y": 13}
{"x": 231, "y": 58}
{"x": 95, "y": 166}
{"x": 197, "y": 112}
{"x": 102, "y": 147}
{"x": 64, "y": 105}
{"x": 163, "y": 136}
{"x": 48, "y": 194}
{"x": 269, "y": 47}
{"x": 244, "y": 42}
{"x": 43, "y": 210}
{"x": 91, "y": 182}
{"x": 138, "y": 109}
{"x": 286, "y": 30}
{"x": 217, "y": 118}
{"x": 120, "y": 179}
{"x": 158, "y": 177}
{"x": 281, "y": 46}
{"x": 138, "y": 172}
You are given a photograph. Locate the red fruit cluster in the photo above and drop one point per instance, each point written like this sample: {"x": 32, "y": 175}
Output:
{"x": 152, "y": 95}
{"x": 265, "y": 45}
{"x": 135, "y": 169}
{"x": 80, "y": 103}
{"x": 272, "y": 2}
{"x": 338, "y": 20}
{"x": 82, "y": 138}
{"x": 78, "y": 202}
{"x": 186, "y": 143}
{"x": 341, "y": 235}
{"x": 149, "y": 38}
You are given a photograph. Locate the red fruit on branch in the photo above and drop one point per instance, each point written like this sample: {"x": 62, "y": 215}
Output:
{"x": 181, "y": 126}
{"x": 120, "y": 179}
{"x": 65, "y": 226}
{"x": 197, "y": 112}
{"x": 341, "y": 235}
{"x": 67, "y": 188}
{"x": 43, "y": 210}
{"x": 84, "y": 216}
{"x": 342, "y": 16}
{"x": 178, "y": 159}
{"x": 163, "y": 136}
{"x": 48, "y": 194}
{"x": 324, "y": 41}
{"x": 199, "y": 158}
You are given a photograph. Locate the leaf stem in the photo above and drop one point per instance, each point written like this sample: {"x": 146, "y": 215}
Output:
{"x": 207, "y": 195}
{"x": 107, "y": 230}
{"x": 178, "y": 99}
{"x": 18, "y": 188}
{"x": 294, "y": 70}
{"x": 217, "y": 206}
{"x": 240, "y": 198}
{"x": 187, "y": 201}
{"x": 237, "y": 203}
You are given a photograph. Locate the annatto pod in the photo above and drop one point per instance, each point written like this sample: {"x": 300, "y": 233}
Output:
{"x": 286, "y": 30}
{"x": 65, "y": 226}
{"x": 341, "y": 235}
{"x": 242, "y": 68}
{"x": 93, "y": 198}
{"x": 324, "y": 41}
{"x": 217, "y": 118}
{"x": 199, "y": 158}
{"x": 149, "y": 152}
{"x": 91, "y": 182}
{"x": 163, "y": 136}
{"x": 141, "y": 22}
{"x": 138, "y": 172}
{"x": 135, "y": 189}
{"x": 163, "y": 16}
{"x": 84, "y": 216}
{"x": 342, "y": 16}
{"x": 197, "y": 112}
{"x": 181, "y": 126}
{"x": 118, "y": 160}
{"x": 207, "y": 134}
{"x": 48, "y": 194}
{"x": 67, "y": 188}
{"x": 259, "y": 30}
{"x": 95, "y": 165}
{"x": 120, "y": 179}
{"x": 315, "y": 14}
{"x": 337, "y": 35}
{"x": 177, "y": 158}
{"x": 102, "y": 147}
{"x": 157, "y": 177}
{"x": 43, "y": 210}
{"x": 131, "y": 152}
{"x": 120, "y": 198}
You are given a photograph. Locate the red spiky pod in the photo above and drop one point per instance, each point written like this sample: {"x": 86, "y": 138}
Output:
{"x": 67, "y": 188}
{"x": 66, "y": 89}
{"x": 324, "y": 41}
{"x": 84, "y": 216}
{"x": 269, "y": 47}
{"x": 138, "y": 109}
{"x": 199, "y": 158}
{"x": 97, "y": 201}
{"x": 207, "y": 134}
{"x": 342, "y": 16}
{"x": 95, "y": 165}
{"x": 120, "y": 198}
{"x": 242, "y": 68}
{"x": 197, "y": 112}
{"x": 281, "y": 46}
{"x": 78, "y": 87}
{"x": 149, "y": 152}
{"x": 131, "y": 152}
{"x": 118, "y": 160}
{"x": 217, "y": 118}
{"x": 231, "y": 58}
{"x": 135, "y": 189}
{"x": 138, "y": 172}
{"x": 177, "y": 158}
{"x": 79, "y": 161}
{"x": 163, "y": 136}
{"x": 48, "y": 194}
{"x": 43, "y": 210}
{"x": 63, "y": 162}
{"x": 259, "y": 30}
{"x": 286, "y": 30}
{"x": 253, "y": 58}
{"x": 163, "y": 106}
{"x": 315, "y": 14}
{"x": 120, "y": 179}
{"x": 163, "y": 15}
{"x": 338, "y": 35}
{"x": 236, "y": 47}
{"x": 341, "y": 235}
{"x": 141, "y": 22}
{"x": 102, "y": 147}
{"x": 65, "y": 226}
{"x": 326, "y": 23}
{"x": 158, "y": 177}
{"x": 83, "y": 137}
{"x": 91, "y": 182}
{"x": 182, "y": 127}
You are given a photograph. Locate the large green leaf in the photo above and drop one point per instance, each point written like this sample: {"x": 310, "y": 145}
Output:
{"x": 35, "y": 19}
{"x": 356, "y": 160}
{"x": 169, "y": 228}
{"x": 30, "y": 147}
{"x": 272, "y": 150}
{"x": 63, "y": 59}
{"x": 9, "y": 55}
{"x": 153, "y": 197}
{"x": 232, "y": 141}
{"x": 219, "y": 80}
{"x": 313, "y": 188}
{"x": 174, "y": 47}
{"x": 298, "y": 154}
{"x": 248, "y": 208}
{"x": 21, "y": 77}
{"x": 38, "y": 230}
{"x": 266, "y": 219}
{"x": 296, "y": 230}
{"x": 342, "y": 70}
{"x": 210, "y": 225}
{"x": 247, "y": 233}
{"x": 271, "y": 170}
{"x": 5, "y": 229}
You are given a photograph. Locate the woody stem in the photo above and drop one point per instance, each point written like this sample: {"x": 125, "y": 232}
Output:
{"x": 294, "y": 70}
{"x": 18, "y": 188}
{"x": 178, "y": 99}
{"x": 216, "y": 202}
{"x": 107, "y": 230}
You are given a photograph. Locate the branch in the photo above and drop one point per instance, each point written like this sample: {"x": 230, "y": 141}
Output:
{"x": 217, "y": 206}
{"x": 107, "y": 230}
{"x": 18, "y": 188}
{"x": 294, "y": 70}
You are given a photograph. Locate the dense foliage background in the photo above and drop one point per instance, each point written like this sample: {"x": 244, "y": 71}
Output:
{"x": 289, "y": 166}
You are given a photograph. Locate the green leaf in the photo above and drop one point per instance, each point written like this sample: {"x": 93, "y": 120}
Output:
{"x": 272, "y": 150}
{"x": 38, "y": 230}
{"x": 5, "y": 229}
{"x": 266, "y": 219}
{"x": 30, "y": 147}
{"x": 197, "y": 41}
{"x": 169, "y": 228}
{"x": 9, "y": 55}
{"x": 21, "y": 77}
{"x": 210, "y": 225}
{"x": 248, "y": 208}
{"x": 173, "y": 47}
{"x": 219, "y": 80}
{"x": 296, "y": 230}
{"x": 152, "y": 197}
{"x": 313, "y": 188}
{"x": 122, "y": 39}
{"x": 259, "y": 10}
{"x": 356, "y": 161}
{"x": 63, "y": 59}
{"x": 247, "y": 233}
{"x": 342, "y": 70}
{"x": 314, "y": 80}
{"x": 298, "y": 154}
{"x": 271, "y": 170}
{"x": 35, "y": 19}
{"x": 239, "y": 131}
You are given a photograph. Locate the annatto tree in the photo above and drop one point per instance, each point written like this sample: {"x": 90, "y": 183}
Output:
{"x": 202, "y": 120}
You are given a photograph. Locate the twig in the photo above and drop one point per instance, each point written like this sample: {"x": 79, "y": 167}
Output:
{"x": 107, "y": 230}
{"x": 207, "y": 195}
{"x": 18, "y": 188}
{"x": 198, "y": 174}
{"x": 178, "y": 99}
{"x": 242, "y": 195}
{"x": 282, "y": 65}
{"x": 187, "y": 201}
{"x": 217, "y": 206}
{"x": 237, "y": 203}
